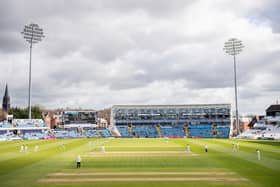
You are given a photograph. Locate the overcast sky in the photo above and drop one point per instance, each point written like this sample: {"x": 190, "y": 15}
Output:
{"x": 98, "y": 53}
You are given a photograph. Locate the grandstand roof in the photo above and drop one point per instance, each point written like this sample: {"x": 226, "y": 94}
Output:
{"x": 273, "y": 108}
{"x": 183, "y": 105}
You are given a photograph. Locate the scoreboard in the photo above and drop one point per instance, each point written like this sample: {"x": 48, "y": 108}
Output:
{"x": 79, "y": 117}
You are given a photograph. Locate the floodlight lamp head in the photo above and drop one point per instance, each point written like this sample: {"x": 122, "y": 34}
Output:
{"x": 32, "y": 33}
{"x": 233, "y": 46}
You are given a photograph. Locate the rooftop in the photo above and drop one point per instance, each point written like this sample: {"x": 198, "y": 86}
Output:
{"x": 273, "y": 108}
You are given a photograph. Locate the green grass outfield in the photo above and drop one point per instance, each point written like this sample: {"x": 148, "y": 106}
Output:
{"x": 140, "y": 162}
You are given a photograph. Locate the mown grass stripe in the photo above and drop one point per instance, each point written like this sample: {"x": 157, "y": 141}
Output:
{"x": 267, "y": 162}
{"x": 142, "y": 173}
{"x": 194, "y": 179}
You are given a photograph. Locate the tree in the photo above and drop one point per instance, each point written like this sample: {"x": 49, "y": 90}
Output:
{"x": 22, "y": 113}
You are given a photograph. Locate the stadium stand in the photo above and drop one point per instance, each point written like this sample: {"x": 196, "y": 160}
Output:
{"x": 91, "y": 133}
{"x": 33, "y": 135}
{"x": 104, "y": 133}
{"x": 123, "y": 131}
{"x": 69, "y": 133}
{"x": 268, "y": 128}
{"x": 144, "y": 131}
{"x": 22, "y": 129}
{"x": 172, "y": 132}
{"x": 205, "y": 121}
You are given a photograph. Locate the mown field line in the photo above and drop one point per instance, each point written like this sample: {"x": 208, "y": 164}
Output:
{"x": 132, "y": 152}
{"x": 42, "y": 147}
{"x": 142, "y": 146}
{"x": 193, "y": 179}
{"x": 142, "y": 173}
{"x": 139, "y": 153}
{"x": 267, "y": 162}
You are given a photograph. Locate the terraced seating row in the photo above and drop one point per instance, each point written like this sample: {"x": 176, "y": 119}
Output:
{"x": 5, "y": 125}
{"x": 104, "y": 133}
{"x": 172, "y": 131}
{"x": 91, "y": 133}
{"x": 67, "y": 134}
{"x": 268, "y": 132}
{"x": 34, "y": 136}
{"x": 208, "y": 131}
{"x": 144, "y": 131}
{"x": 123, "y": 131}
{"x": 23, "y": 124}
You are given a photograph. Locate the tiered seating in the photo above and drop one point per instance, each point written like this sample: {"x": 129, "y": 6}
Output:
{"x": 123, "y": 131}
{"x": 145, "y": 131}
{"x": 201, "y": 130}
{"x": 33, "y": 136}
{"x": 67, "y": 134}
{"x": 152, "y": 131}
{"x": 91, "y": 133}
{"x": 269, "y": 132}
{"x": 208, "y": 131}
{"x": 251, "y": 134}
{"x": 9, "y": 137}
{"x": 139, "y": 131}
{"x": 74, "y": 134}
{"x": 272, "y": 132}
{"x": 169, "y": 131}
{"x": 25, "y": 123}
{"x": 3, "y": 137}
{"x": 5, "y": 125}
{"x": 61, "y": 134}
{"x": 223, "y": 132}
{"x": 104, "y": 133}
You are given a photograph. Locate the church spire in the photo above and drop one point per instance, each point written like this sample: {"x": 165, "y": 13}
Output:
{"x": 6, "y": 91}
{"x": 6, "y": 100}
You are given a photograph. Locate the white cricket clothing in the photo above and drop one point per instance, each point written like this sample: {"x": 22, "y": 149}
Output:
{"x": 103, "y": 149}
{"x": 78, "y": 159}
{"x": 259, "y": 154}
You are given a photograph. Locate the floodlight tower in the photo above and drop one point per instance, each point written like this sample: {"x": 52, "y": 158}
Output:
{"x": 32, "y": 34}
{"x": 233, "y": 47}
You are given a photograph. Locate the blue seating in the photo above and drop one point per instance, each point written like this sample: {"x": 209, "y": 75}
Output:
{"x": 33, "y": 135}
{"x": 5, "y": 125}
{"x": 172, "y": 131}
{"x": 208, "y": 131}
{"x": 223, "y": 132}
{"x": 104, "y": 133}
{"x": 91, "y": 133}
{"x": 123, "y": 131}
{"x": 144, "y": 131}
{"x": 201, "y": 130}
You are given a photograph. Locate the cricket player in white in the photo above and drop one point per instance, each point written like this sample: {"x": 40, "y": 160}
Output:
{"x": 25, "y": 148}
{"x": 206, "y": 148}
{"x": 78, "y": 160}
{"x": 103, "y": 149}
{"x": 36, "y": 148}
{"x": 259, "y": 154}
{"x": 188, "y": 148}
{"x": 21, "y": 149}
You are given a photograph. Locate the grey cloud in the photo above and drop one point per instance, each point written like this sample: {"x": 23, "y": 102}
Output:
{"x": 9, "y": 41}
{"x": 271, "y": 12}
{"x": 157, "y": 7}
{"x": 129, "y": 51}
